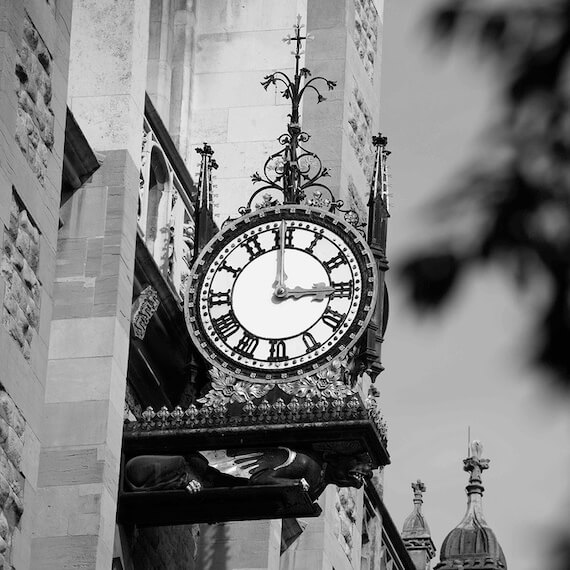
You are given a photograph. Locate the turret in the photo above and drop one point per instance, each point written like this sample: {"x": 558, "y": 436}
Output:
{"x": 416, "y": 533}
{"x": 472, "y": 545}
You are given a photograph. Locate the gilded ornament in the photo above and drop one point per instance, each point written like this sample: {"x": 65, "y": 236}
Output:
{"x": 177, "y": 415}
{"x": 148, "y": 415}
{"x": 191, "y": 414}
{"x": 162, "y": 415}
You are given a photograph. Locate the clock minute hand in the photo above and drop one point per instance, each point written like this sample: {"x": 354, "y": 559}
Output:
{"x": 319, "y": 291}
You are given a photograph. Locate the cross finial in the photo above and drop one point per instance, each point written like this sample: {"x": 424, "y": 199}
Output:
{"x": 419, "y": 489}
{"x": 298, "y": 39}
{"x": 474, "y": 464}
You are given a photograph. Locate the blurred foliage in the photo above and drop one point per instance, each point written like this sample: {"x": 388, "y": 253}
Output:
{"x": 511, "y": 205}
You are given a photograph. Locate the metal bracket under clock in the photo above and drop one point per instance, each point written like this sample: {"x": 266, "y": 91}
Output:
{"x": 187, "y": 466}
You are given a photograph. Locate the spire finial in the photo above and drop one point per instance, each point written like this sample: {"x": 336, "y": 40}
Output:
{"x": 203, "y": 206}
{"x": 419, "y": 489}
{"x": 472, "y": 542}
{"x": 475, "y": 465}
{"x": 416, "y": 533}
{"x": 298, "y": 39}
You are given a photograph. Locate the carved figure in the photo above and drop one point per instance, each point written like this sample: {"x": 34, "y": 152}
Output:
{"x": 230, "y": 468}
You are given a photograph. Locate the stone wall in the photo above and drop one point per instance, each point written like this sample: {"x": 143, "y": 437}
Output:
{"x": 165, "y": 548}
{"x": 12, "y": 426}
{"x": 34, "y": 52}
{"x": 20, "y": 259}
{"x": 35, "y": 123}
{"x": 365, "y": 33}
{"x": 361, "y": 132}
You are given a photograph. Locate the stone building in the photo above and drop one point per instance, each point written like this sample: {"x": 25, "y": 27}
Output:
{"x": 102, "y": 105}
{"x": 472, "y": 544}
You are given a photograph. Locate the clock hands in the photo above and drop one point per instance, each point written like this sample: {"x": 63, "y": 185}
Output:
{"x": 319, "y": 291}
{"x": 279, "y": 288}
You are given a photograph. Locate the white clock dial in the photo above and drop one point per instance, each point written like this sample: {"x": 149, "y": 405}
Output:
{"x": 279, "y": 293}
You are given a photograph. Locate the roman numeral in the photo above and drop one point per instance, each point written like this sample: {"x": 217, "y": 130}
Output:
{"x": 316, "y": 239}
{"x": 342, "y": 289}
{"x": 226, "y": 325}
{"x": 309, "y": 341}
{"x": 247, "y": 344}
{"x": 229, "y": 268}
{"x": 277, "y": 350}
{"x": 335, "y": 261}
{"x": 332, "y": 318}
{"x": 288, "y": 238}
{"x": 253, "y": 247}
{"x": 219, "y": 298}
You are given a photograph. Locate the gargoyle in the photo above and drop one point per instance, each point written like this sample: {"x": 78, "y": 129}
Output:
{"x": 231, "y": 468}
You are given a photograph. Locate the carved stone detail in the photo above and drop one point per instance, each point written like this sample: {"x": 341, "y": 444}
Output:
{"x": 354, "y": 202}
{"x": 35, "y": 122}
{"x": 346, "y": 510}
{"x": 20, "y": 260}
{"x": 360, "y": 132}
{"x": 143, "y": 309}
{"x": 365, "y": 33}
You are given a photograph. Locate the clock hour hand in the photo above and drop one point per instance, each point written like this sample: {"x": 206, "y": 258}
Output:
{"x": 280, "y": 276}
{"x": 319, "y": 291}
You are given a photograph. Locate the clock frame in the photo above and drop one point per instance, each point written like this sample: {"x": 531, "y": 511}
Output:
{"x": 279, "y": 293}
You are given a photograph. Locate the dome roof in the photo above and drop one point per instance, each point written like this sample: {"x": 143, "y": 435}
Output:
{"x": 472, "y": 543}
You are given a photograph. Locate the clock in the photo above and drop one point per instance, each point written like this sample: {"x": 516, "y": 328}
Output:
{"x": 280, "y": 293}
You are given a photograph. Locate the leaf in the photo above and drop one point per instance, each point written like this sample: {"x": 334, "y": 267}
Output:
{"x": 430, "y": 278}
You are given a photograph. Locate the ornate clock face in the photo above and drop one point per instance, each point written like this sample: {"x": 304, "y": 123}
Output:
{"x": 280, "y": 292}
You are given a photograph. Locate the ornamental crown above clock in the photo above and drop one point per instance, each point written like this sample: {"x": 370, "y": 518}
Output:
{"x": 291, "y": 285}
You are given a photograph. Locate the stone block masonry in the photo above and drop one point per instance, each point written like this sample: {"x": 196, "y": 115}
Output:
{"x": 20, "y": 259}
{"x": 365, "y": 33}
{"x": 361, "y": 132}
{"x": 35, "y": 122}
{"x": 12, "y": 426}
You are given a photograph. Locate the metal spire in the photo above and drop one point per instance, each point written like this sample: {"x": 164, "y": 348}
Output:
{"x": 203, "y": 214}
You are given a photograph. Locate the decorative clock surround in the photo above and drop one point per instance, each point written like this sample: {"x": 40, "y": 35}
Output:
{"x": 281, "y": 292}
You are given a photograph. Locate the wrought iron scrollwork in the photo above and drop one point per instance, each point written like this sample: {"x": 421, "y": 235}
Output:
{"x": 294, "y": 174}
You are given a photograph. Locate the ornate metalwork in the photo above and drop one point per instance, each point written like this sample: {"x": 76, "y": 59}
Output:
{"x": 317, "y": 398}
{"x": 228, "y": 389}
{"x": 255, "y": 412}
{"x": 294, "y": 174}
{"x": 203, "y": 206}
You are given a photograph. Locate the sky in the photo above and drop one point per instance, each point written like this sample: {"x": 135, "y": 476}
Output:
{"x": 467, "y": 366}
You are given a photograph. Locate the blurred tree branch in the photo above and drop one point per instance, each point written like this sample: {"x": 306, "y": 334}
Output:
{"x": 518, "y": 191}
